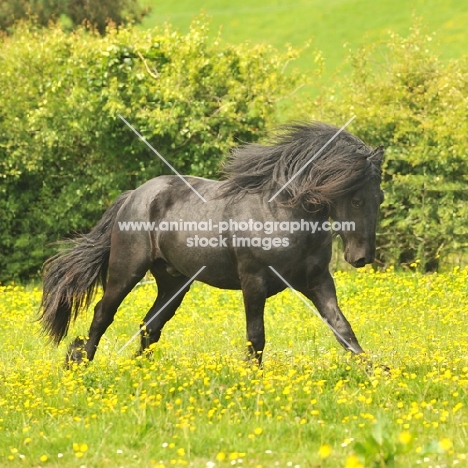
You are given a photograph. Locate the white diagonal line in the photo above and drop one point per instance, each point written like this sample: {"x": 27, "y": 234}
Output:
{"x": 143, "y": 139}
{"x": 162, "y": 308}
{"x": 313, "y": 310}
{"x": 312, "y": 158}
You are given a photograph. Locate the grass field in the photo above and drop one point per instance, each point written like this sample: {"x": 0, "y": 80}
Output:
{"x": 329, "y": 24}
{"x": 198, "y": 404}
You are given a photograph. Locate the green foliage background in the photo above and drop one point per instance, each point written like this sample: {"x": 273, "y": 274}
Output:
{"x": 64, "y": 152}
{"x": 71, "y": 13}
{"x": 406, "y": 98}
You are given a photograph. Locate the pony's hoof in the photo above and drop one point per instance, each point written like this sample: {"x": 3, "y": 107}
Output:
{"x": 254, "y": 359}
{"x": 145, "y": 352}
{"x": 76, "y": 353}
{"x": 372, "y": 368}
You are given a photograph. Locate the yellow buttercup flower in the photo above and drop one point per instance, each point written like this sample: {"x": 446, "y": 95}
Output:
{"x": 325, "y": 451}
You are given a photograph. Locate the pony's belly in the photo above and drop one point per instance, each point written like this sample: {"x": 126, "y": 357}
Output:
{"x": 221, "y": 283}
{"x": 210, "y": 266}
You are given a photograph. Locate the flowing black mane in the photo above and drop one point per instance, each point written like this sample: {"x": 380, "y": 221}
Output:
{"x": 344, "y": 166}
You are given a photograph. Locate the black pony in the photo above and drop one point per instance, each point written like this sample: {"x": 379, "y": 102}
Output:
{"x": 263, "y": 228}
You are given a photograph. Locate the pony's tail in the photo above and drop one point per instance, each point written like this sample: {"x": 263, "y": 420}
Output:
{"x": 71, "y": 277}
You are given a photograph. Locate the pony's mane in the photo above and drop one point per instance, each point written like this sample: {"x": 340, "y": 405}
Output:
{"x": 342, "y": 167}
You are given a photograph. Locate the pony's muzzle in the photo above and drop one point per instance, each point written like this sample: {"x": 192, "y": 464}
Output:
{"x": 359, "y": 263}
{"x": 359, "y": 259}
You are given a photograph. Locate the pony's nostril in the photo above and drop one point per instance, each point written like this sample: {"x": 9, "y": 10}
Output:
{"x": 359, "y": 263}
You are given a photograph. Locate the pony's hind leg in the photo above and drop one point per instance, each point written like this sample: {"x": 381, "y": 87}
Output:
{"x": 172, "y": 288}
{"x": 124, "y": 273}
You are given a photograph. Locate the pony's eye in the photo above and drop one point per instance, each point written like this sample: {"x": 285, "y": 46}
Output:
{"x": 356, "y": 203}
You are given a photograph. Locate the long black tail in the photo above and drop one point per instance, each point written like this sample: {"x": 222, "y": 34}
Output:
{"x": 71, "y": 277}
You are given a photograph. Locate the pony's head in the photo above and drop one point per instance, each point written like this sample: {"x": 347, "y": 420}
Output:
{"x": 356, "y": 214}
{"x": 320, "y": 169}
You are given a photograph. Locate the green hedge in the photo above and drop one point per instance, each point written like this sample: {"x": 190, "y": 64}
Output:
{"x": 65, "y": 154}
{"x": 71, "y": 13}
{"x": 407, "y": 99}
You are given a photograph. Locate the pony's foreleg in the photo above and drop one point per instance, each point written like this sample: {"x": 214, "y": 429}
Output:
{"x": 322, "y": 293}
{"x": 254, "y": 303}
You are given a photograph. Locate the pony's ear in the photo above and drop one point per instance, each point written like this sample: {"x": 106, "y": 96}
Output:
{"x": 378, "y": 155}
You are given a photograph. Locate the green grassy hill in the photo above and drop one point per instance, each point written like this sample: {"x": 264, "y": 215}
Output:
{"x": 330, "y": 24}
